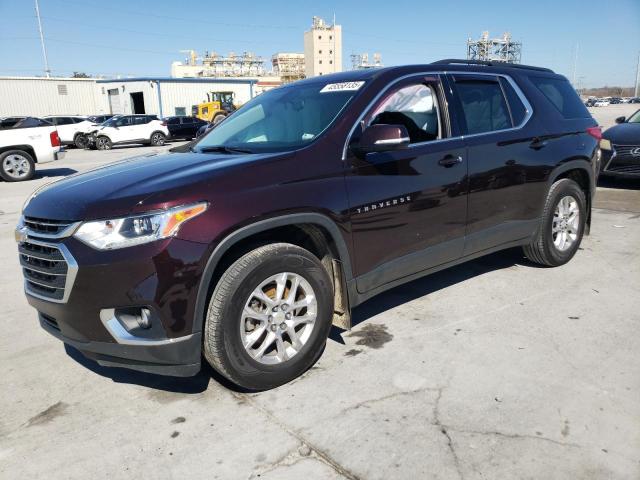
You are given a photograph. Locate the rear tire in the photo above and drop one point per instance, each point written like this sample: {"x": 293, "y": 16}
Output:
{"x": 560, "y": 232}
{"x": 218, "y": 118}
{"x": 157, "y": 139}
{"x": 246, "y": 334}
{"x": 103, "y": 143}
{"x": 16, "y": 166}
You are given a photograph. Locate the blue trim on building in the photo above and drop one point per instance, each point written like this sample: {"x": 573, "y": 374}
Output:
{"x": 181, "y": 80}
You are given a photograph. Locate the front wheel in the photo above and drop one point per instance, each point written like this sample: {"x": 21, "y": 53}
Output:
{"x": 158, "y": 139}
{"x": 218, "y": 118}
{"x": 269, "y": 316}
{"x": 81, "y": 141}
{"x": 103, "y": 143}
{"x": 562, "y": 225}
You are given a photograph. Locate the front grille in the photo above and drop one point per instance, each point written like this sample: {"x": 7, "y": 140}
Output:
{"x": 46, "y": 227}
{"x": 623, "y": 154}
{"x": 46, "y": 270}
{"x": 627, "y": 169}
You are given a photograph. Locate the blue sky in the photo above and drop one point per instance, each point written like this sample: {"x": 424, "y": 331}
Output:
{"x": 143, "y": 37}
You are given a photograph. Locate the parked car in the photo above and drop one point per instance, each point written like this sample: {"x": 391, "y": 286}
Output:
{"x": 204, "y": 129}
{"x": 98, "y": 119}
{"x": 601, "y": 103}
{"x": 72, "y": 128}
{"x": 184, "y": 127}
{"x": 590, "y": 102}
{"x": 128, "y": 129}
{"x": 307, "y": 201}
{"x": 635, "y": 100}
{"x": 26, "y": 142}
{"x": 8, "y": 122}
{"x": 621, "y": 148}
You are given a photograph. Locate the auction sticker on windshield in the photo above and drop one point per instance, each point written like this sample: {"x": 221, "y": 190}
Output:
{"x": 341, "y": 87}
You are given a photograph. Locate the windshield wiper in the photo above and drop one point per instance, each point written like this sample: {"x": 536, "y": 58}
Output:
{"x": 223, "y": 149}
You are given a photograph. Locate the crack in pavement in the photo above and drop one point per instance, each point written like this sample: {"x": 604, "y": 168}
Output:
{"x": 366, "y": 403}
{"x": 288, "y": 459}
{"x": 513, "y": 436}
{"x": 445, "y": 432}
{"x": 319, "y": 453}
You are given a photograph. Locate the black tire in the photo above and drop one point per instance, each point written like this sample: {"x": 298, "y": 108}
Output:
{"x": 157, "y": 139}
{"x": 218, "y": 118}
{"x": 103, "y": 143}
{"x": 81, "y": 141}
{"x": 223, "y": 347}
{"x": 543, "y": 250}
{"x": 16, "y": 166}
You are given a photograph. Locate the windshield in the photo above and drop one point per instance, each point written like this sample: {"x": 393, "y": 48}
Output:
{"x": 285, "y": 118}
{"x": 635, "y": 118}
{"x": 111, "y": 122}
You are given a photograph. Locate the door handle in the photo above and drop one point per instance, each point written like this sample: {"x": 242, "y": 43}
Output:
{"x": 449, "y": 161}
{"x": 538, "y": 143}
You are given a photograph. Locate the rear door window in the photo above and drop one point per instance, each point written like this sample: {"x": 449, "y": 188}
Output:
{"x": 484, "y": 108}
{"x": 562, "y": 96}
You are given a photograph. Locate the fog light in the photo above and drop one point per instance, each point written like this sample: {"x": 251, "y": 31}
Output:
{"x": 144, "y": 320}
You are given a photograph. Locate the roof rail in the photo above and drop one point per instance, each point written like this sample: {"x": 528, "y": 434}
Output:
{"x": 487, "y": 63}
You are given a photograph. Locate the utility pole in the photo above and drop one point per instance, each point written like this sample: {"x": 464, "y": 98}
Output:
{"x": 575, "y": 64}
{"x": 637, "y": 77}
{"x": 44, "y": 50}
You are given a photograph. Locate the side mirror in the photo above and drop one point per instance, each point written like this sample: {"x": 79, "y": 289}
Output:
{"x": 382, "y": 138}
{"x": 620, "y": 120}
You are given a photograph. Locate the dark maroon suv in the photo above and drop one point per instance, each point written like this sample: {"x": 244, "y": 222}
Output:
{"x": 310, "y": 199}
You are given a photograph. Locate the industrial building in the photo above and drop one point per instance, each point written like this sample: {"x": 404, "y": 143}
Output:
{"x": 36, "y": 96}
{"x": 503, "y": 49}
{"x": 322, "y": 48}
{"x": 214, "y": 65}
{"x": 288, "y": 66}
{"x": 360, "y": 61}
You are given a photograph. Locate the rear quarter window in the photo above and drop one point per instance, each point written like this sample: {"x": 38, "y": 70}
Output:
{"x": 562, "y": 96}
{"x": 516, "y": 107}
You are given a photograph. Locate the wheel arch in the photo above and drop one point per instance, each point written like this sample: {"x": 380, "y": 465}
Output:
{"x": 313, "y": 231}
{"x": 581, "y": 172}
{"x": 25, "y": 148}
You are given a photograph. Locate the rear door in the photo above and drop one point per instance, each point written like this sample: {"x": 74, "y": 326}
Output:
{"x": 505, "y": 159}
{"x": 408, "y": 207}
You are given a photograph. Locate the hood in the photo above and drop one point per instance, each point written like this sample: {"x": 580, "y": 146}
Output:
{"x": 624, "y": 134}
{"x": 117, "y": 189}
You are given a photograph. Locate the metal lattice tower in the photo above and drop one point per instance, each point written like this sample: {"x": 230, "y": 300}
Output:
{"x": 502, "y": 49}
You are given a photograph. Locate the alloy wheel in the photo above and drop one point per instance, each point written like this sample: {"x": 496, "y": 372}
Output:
{"x": 566, "y": 223}
{"x": 278, "y": 318}
{"x": 16, "y": 166}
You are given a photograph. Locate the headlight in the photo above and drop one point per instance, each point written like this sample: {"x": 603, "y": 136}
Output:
{"x": 137, "y": 229}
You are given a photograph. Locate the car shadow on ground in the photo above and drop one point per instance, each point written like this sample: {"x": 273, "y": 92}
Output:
{"x": 54, "y": 172}
{"x": 379, "y": 304}
{"x": 619, "y": 183}
{"x": 432, "y": 283}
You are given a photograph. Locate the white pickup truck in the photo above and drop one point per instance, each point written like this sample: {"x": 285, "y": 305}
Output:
{"x": 23, "y": 144}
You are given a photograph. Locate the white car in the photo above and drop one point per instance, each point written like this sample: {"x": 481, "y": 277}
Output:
{"x": 601, "y": 103}
{"x": 25, "y": 143}
{"x": 123, "y": 129}
{"x": 72, "y": 128}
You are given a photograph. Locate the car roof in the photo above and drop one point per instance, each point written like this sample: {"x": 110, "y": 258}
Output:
{"x": 451, "y": 64}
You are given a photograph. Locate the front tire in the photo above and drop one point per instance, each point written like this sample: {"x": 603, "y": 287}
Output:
{"x": 218, "y": 118}
{"x": 16, "y": 166}
{"x": 103, "y": 143}
{"x": 269, "y": 317}
{"x": 562, "y": 225}
{"x": 81, "y": 141}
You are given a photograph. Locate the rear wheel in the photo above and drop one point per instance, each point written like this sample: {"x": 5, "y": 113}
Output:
{"x": 562, "y": 225}
{"x": 103, "y": 143}
{"x": 158, "y": 139}
{"x": 269, "y": 317}
{"x": 218, "y": 118}
{"x": 16, "y": 166}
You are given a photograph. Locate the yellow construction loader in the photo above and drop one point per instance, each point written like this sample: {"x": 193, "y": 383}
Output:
{"x": 216, "y": 108}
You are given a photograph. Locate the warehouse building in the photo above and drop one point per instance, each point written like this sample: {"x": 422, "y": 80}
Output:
{"x": 36, "y": 96}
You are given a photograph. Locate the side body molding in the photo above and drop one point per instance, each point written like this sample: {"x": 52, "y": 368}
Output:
{"x": 261, "y": 226}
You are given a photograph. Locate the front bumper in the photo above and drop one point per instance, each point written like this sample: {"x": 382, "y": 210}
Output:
{"x": 161, "y": 276}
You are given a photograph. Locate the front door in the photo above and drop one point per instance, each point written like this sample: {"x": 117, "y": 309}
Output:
{"x": 408, "y": 207}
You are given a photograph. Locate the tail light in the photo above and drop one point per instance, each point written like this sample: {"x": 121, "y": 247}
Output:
{"x": 55, "y": 139}
{"x": 595, "y": 132}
